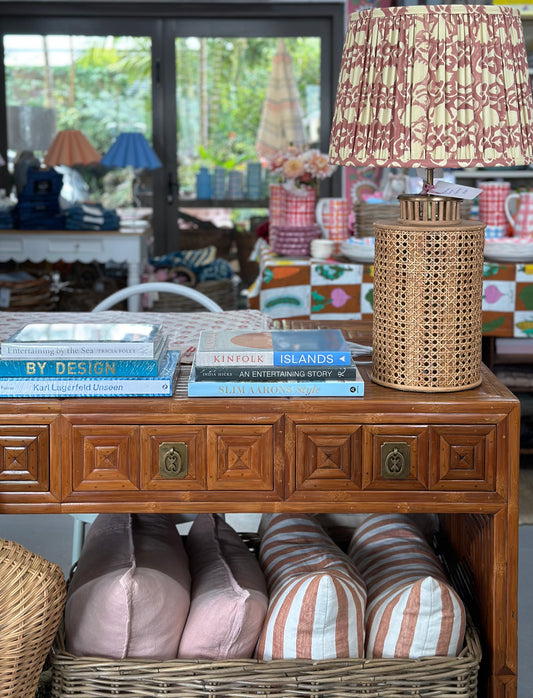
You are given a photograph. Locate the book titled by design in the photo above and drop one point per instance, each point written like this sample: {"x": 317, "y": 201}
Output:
{"x": 273, "y": 348}
{"x": 106, "y": 386}
{"x": 84, "y": 340}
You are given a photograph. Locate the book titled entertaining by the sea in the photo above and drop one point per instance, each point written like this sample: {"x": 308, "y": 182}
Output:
{"x": 106, "y": 386}
{"x": 273, "y": 348}
{"x": 64, "y": 340}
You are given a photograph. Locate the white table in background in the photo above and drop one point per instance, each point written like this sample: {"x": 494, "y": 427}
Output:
{"x": 84, "y": 246}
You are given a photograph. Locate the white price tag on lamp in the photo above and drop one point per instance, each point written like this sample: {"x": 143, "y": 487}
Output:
{"x": 458, "y": 191}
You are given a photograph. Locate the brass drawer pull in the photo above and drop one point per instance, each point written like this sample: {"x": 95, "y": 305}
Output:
{"x": 173, "y": 460}
{"x": 395, "y": 460}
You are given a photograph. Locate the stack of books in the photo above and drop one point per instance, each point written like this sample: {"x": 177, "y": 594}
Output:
{"x": 88, "y": 360}
{"x": 301, "y": 363}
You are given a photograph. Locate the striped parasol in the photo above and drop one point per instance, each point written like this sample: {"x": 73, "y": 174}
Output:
{"x": 281, "y": 120}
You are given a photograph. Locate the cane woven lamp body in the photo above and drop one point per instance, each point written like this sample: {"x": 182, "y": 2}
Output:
{"x": 431, "y": 86}
{"x": 427, "y": 316}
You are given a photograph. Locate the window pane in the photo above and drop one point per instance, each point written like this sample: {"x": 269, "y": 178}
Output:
{"x": 100, "y": 85}
{"x": 220, "y": 91}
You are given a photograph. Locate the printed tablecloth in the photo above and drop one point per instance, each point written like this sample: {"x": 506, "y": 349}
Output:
{"x": 308, "y": 288}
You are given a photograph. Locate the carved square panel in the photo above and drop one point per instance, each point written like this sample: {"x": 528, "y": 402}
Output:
{"x": 463, "y": 457}
{"x": 24, "y": 458}
{"x": 381, "y": 443}
{"x": 188, "y": 442}
{"x": 240, "y": 457}
{"x": 328, "y": 457}
{"x": 105, "y": 458}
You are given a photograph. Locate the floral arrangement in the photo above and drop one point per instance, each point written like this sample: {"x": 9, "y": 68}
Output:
{"x": 300, "y": 168}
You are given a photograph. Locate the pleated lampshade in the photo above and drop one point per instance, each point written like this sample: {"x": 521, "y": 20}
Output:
{"x": 131, "y": 150}
{"x": 70, "y": 147}
{"x": 434, "y": 86}
{"x": 431, "y": 86}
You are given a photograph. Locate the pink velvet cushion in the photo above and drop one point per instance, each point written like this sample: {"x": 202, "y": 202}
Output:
{"x": 130, "y": 593}
{"x": 228, "y": 594}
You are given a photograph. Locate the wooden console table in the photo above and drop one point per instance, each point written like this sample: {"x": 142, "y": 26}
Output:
{"x": 460, "y": 460}
{"x": 80, "y": 246}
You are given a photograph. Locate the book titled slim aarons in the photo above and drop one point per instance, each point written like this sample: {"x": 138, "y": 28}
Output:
{"x": 161, "y": 385}
{"x": 64, "y": 340}
{"x": 273, "y": 348}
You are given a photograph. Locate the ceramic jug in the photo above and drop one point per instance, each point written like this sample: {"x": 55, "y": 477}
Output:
{"x": 332, "y": 216}
{"x": 522, "y": 221}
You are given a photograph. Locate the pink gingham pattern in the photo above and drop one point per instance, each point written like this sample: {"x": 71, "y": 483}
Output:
{"x": 276, "y": 204}
{"x": 300, "y": 207}
{"x": 492, "y": 202}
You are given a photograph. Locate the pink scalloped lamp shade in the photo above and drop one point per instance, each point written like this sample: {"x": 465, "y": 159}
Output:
{"x": 70, "y": 147}
{"x": 434, "y": 86}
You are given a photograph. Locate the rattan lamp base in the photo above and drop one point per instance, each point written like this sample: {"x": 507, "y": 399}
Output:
{"x": 427, "y": 305}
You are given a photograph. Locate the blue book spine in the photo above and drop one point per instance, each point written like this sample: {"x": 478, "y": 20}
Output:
{"x": 105, "y": 386}
{"x": 76, "y": 368}
{"x": 312, "y": 358}
{"x": 302, "y": 389}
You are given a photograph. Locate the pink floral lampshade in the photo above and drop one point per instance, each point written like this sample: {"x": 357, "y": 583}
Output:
{"x": 434, "y": 86}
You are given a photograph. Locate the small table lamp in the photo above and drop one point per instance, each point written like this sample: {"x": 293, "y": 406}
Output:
{"x": 131, "y": 149}
{"x": 70, "y": 147}
{"x": 431, "y": 86}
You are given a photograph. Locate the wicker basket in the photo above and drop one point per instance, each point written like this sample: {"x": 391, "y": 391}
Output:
{"x": 339, "y": 678}
{"x": 197, "y": 234}
{"x": 223, "y": 292}
{"x": 32, "y": 600}
{"x": 249, "y": 678}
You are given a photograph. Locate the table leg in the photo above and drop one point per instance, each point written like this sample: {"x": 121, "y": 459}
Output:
{"x": 134, "y": 277}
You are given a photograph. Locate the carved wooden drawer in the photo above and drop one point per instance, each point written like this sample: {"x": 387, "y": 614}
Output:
{"x": 25, "y": 461}
{"x": 395, "y": 458}
{"x": 174, "y": 458}
{"x": 462, "y": 457}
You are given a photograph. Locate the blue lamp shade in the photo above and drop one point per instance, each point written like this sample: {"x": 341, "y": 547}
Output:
{"x": 131, "y": 149}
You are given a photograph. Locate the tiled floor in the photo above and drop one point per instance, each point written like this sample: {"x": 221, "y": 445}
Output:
{"x": 51, "y": 537}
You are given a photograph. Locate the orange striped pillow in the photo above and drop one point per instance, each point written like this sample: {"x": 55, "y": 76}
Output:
{"x": 317, "y": 599}
{"x": 412, "y": 611}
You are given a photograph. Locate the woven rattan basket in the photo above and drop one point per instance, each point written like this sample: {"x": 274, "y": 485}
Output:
{"x": 32, "y": 600}
{"x": 222, "y": 291}
{"x": 248, "y": 678}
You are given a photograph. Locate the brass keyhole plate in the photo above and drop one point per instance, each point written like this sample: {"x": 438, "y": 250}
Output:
{"x": 395, "y": 460}
{"x": 173, "y": 460}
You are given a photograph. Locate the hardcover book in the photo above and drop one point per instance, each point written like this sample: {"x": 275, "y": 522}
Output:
{"x": 288, "y": 348}
{"x": 275, "y": 373}
{"x": 105, "y": 386}
{"x": 326, "y": 388}
{"x": 84, "y": 340}
{"x": 83, "y": 368}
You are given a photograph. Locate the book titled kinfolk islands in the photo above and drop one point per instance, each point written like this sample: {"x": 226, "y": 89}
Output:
{"x": 287, "y": 388}
{"x": 65, "y": 340}
{"x": 105, "y": 386}
{"x": 273, "y": 348}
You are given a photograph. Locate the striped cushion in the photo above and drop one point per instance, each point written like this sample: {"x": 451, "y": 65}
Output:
{"x": 412, "y": 611}
{"x": 317, "y": 598}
